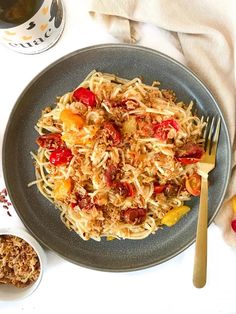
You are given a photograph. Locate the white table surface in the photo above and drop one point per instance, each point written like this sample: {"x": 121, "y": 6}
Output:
{"x": 166, "y": 288}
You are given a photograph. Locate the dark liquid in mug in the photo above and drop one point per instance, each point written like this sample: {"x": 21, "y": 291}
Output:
{"x": 16, "y": 12}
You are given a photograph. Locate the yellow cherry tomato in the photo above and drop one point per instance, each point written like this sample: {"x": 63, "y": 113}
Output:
{"x": 234, "y": 203}
{"x": 62, "y": 188}
{"x": 193, "y": 184}
{"x": 71, "y": 120}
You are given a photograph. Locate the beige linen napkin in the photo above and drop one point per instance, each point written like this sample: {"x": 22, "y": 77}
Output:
{"x": 199, "y": 33}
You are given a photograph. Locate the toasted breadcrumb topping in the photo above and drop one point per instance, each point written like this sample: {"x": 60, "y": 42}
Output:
{"x": 19, "y": 263}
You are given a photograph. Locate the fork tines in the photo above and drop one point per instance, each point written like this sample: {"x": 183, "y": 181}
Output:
{"x": 211, "y": 134}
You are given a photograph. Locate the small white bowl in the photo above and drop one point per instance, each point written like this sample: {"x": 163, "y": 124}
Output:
{"x": 10, "y": 292}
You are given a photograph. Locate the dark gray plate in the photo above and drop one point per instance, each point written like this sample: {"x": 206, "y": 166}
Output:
{"x": 41, "y": 218}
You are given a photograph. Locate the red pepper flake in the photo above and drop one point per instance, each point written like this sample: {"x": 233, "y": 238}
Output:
{"x": 4, "y": 201}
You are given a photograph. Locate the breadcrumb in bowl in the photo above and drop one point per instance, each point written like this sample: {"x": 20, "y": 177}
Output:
{"x": 22, "y": 262}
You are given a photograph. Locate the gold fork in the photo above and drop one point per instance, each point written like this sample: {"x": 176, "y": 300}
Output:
{"x": 205, "y": 165}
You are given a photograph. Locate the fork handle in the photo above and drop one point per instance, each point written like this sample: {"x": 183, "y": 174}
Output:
{"x": 200, "y": 259}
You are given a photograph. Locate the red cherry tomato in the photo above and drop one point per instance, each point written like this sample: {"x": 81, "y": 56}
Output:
{"x": 85, "y": 96}
{"x": 113, "y": 132}
{"x": 187, "y": 160}
{"x": 130, "y": 189}
{"x": 124, "y": 189}
{"x": 110, "y": 175}
{"x": 50, "y": 141}
{"x": 171, "y": 190}
{"x": 233, "y": 225}
{"x": 60, "y": 156}
{"x": 193, "y": 184}
{"x": 159, "y": 188}
{"x": 189, "y": 153}
{"x": 83, "y": 201}
{"x": 162, "y": 129}
{"x": 134, "y": 216}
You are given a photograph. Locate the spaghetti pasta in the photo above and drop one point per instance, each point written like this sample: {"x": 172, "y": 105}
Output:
{"x": 114, "y": 155}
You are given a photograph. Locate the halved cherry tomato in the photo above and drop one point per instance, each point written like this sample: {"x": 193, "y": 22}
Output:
{"x": 233, "y": 225}
{"x": 71, "y": 120}
{"x": 233, "y": 200}
{"x": 190, "y": 149}
{"x": 124, "y": 189}
{"x": 113, "y": 132}
{"x": 162, "y": 129}
{"x": 62, "y": 188}
{"x": 187, "y": 160}
{"x": 159, "y": 188}
{"x": 189, "y": 153}
{"x": 171, "y": 189}
{"x": 50, "y": 141}
{"x": 110, "y": 175}
{"x": 193, "y": 184}
{"x": 85, "y": 96}
{"x": 83, "y": 201}
{"x": 60, "y": 156}
{"x": 134, "y": 216}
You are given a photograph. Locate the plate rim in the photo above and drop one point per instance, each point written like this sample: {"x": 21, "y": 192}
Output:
{"x": 108, "y": 46}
